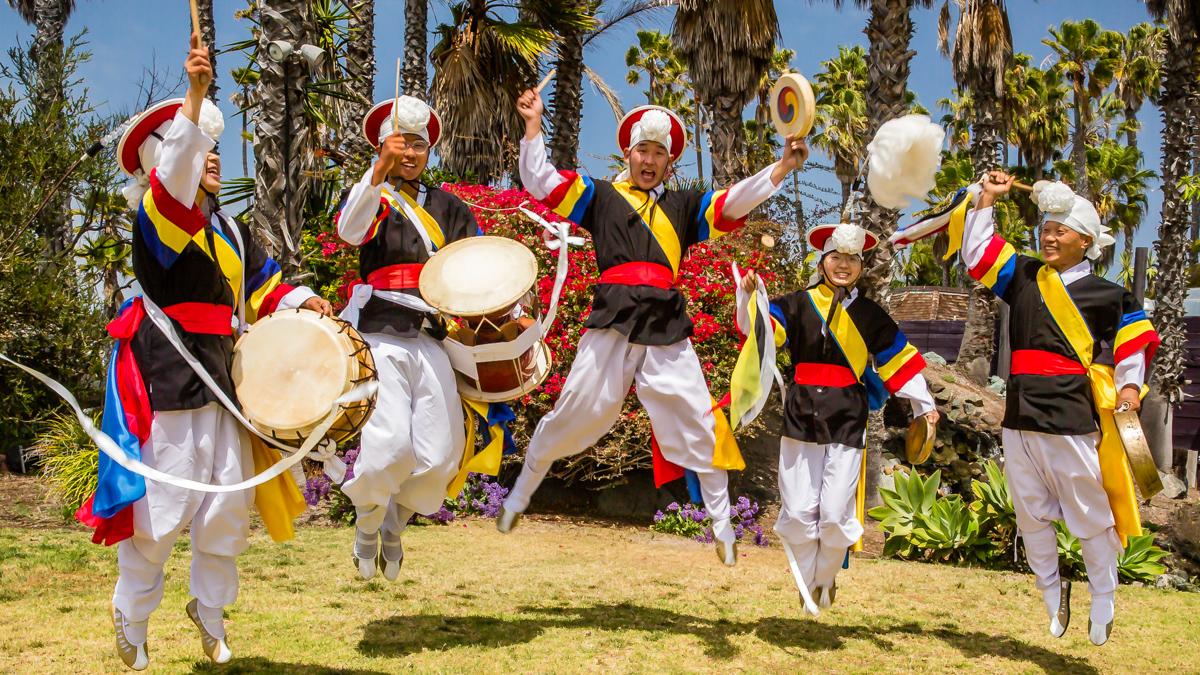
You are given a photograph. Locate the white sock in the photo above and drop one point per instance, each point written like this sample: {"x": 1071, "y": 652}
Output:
{"x": 723, "y": 530}
{"x": 522, "y": 491}
{"x": 213, "y": 619}
{"x": 1103, "y": 607}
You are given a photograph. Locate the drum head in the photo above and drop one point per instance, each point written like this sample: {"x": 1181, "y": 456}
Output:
{"x": 793, "y": 106}
{"x": 290, "y": 367}
{"x": 478, "y": 276}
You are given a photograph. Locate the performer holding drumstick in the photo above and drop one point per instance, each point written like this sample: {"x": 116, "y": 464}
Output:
{"x": 202, "y": 269}
{"x": 1058, "y": 466}
{"x": 413, "y": 443}
{"x": 638, "y": 329}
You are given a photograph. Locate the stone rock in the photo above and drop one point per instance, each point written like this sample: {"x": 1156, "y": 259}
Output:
{"x": 936, "y": 387}
{"x": 1173, "y": 488}
{"x": 997, "y": 385}
{"x": 887, "y": 481}
{"x": 934, "y": 357}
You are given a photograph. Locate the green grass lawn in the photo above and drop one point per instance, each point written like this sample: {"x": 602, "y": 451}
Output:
{"x": 559, "y": 597}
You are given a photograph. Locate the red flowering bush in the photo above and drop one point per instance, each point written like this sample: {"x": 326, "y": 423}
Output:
{"x": 705, "y": 278}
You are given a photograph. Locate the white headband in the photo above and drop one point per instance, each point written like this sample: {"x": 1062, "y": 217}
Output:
{"x": 653, "y": 125}
{"x": 412, "y": 117}
{"x": 1060, "y": 204}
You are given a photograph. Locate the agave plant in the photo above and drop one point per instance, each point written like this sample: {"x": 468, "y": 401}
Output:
{"x": 1140, "y": 560}
{"x": 911, "y": 497}
{"x": 951, "y": 532}
{"x": 994, "y": 505}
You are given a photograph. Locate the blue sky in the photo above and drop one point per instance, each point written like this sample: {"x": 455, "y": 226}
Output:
{"x": 126, "y": 36}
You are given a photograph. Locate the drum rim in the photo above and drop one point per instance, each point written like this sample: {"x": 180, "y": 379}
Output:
{"x": 435, "y": 297}
{"x": 808, "y": 102}
{"x": 298, "y": 431}
{"x": 543, "y": 365}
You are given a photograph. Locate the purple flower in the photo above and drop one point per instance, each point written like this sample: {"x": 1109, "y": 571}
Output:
{"x": 673, "y": 506}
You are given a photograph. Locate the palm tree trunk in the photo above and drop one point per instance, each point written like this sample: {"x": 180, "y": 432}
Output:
{"x": 567, "y": 101}
{"x": 890, "y": 30}
{"x": 1171, "y": 283}
{"x": 360, "y": 68}
{"x": 208, "y": 33}
{"x": 847, "y": 184}
{"x": 696, "y": 137}
{"x": 1131, "y": 133}
{"x": 1079, "y": 142}
{"x": 978, "y": 342}
{"x": 727, "y": 140}
{"x": 416, "y": 40}
{"x": 50, "y": 21}
{"x": 284, "y": 143}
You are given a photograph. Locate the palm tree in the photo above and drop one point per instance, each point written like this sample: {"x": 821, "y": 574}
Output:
{"x": 1038, "y": 124}
{"x": 1136, "y": 73}
{"x": 1178, "y": 102}
{"x": 1086, "y": 58}
{"x": 980, "y": 55}
{"x": 360, "y": 71}
{"x": 414, "y": 77}
{"x": 667, "y": 82}
{"x": 208, "y": 33}
{"x": 727, "y": 46}
{"x": 284, "y": 140}
{"x": 959, "y": 107}
{"x": 840, "y": 129}
{"x": 481, "y": 62}
{"x": 1119, "y": 184}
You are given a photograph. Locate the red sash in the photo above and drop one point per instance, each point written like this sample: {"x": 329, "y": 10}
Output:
{"x": 396, "y": 277}
{"x": 1038, "y": 362}
{"x": 201, "y": 317}
{"x": 824, "y": 375}
{"x": 639, "y": 274}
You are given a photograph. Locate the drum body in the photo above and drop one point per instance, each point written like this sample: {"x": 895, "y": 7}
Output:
{"x": 483, "y": 284}
{"x": 291, "y": 367}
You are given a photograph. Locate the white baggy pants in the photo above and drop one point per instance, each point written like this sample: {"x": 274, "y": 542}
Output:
{"x": 818, "y": 483}
{"x": 670, "y": 384}
{"x": 412, "y": 444}
{"x": 208, "y": 445}
{"x": 1054, "y": 477}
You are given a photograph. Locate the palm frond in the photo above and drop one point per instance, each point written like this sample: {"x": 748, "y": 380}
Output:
{"x": 610, "y": 96}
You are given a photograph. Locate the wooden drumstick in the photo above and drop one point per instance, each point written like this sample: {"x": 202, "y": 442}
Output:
{"x": 397, "y": 97}
{"x": 195, "y": 18}
{"x": 545, "y": 81}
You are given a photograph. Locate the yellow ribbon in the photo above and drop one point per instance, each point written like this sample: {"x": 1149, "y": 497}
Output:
{"x": 1115, "y": 474}
{"x": 654, "y": 218}
{"x": 726, "y": 453}
{"x": 431, "y": 226}
{"x": 842, "y": 328}
{"x": 278, "y": 500}
{"x": 954, "y": 231}
{"x": 860, "y": 500}
{"x": 487, "y": 460}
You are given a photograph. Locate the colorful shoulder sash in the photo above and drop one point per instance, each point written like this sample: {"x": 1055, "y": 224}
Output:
{"x": 841, "y": 327}
{"x": 429, "y": 228}
{"x": 656, "y": 220}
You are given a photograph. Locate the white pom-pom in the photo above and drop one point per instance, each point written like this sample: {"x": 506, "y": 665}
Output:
{"x": 412, "y": 115}
{"x": 1055, "y": 197}
{"x": 848, "y": 238}
{"x": 212, "y": 122}
{"x": 653, "y": 125}
{"x": 1036, "y": 190}
{"x": 904, "y": 159}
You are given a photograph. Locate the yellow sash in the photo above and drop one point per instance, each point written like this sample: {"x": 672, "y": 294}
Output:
{"x": 726, "y": 454}
{"x": 487, "y": 460}
{"x": 654, "y": 218}
{"x": 1114, "y": 468}
{"x": 842, "y": 328}
{"x": 958, "y": 219}
{"x": 431, "y": 226}
{"x": 278, "y": 500}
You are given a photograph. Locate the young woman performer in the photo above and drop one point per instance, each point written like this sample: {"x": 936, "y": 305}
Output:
{"x": 834, "y": 334}
{"x": 638, "y": 329}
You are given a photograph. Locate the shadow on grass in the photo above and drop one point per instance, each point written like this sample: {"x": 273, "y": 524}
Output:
{"x": 261, "y": 665}
{"x": 403, "y": 635}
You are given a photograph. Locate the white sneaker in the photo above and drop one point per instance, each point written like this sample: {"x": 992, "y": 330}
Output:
{"x": 727, "y": 552}
{"x": 217, "y": 649}
{"x": 507, "y": 520}
{"x": 135, "y": 657}
{"x": 365, "y": 553}
{"x": 1061, "y": 617}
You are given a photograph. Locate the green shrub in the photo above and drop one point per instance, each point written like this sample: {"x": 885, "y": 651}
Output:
{"x": 68, "y": 460}
{"x": 902, "y": 503}
{"x": 1140, "y": 560}
{"x": 950, "y": 532}
{"x": 993, "y": 504}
